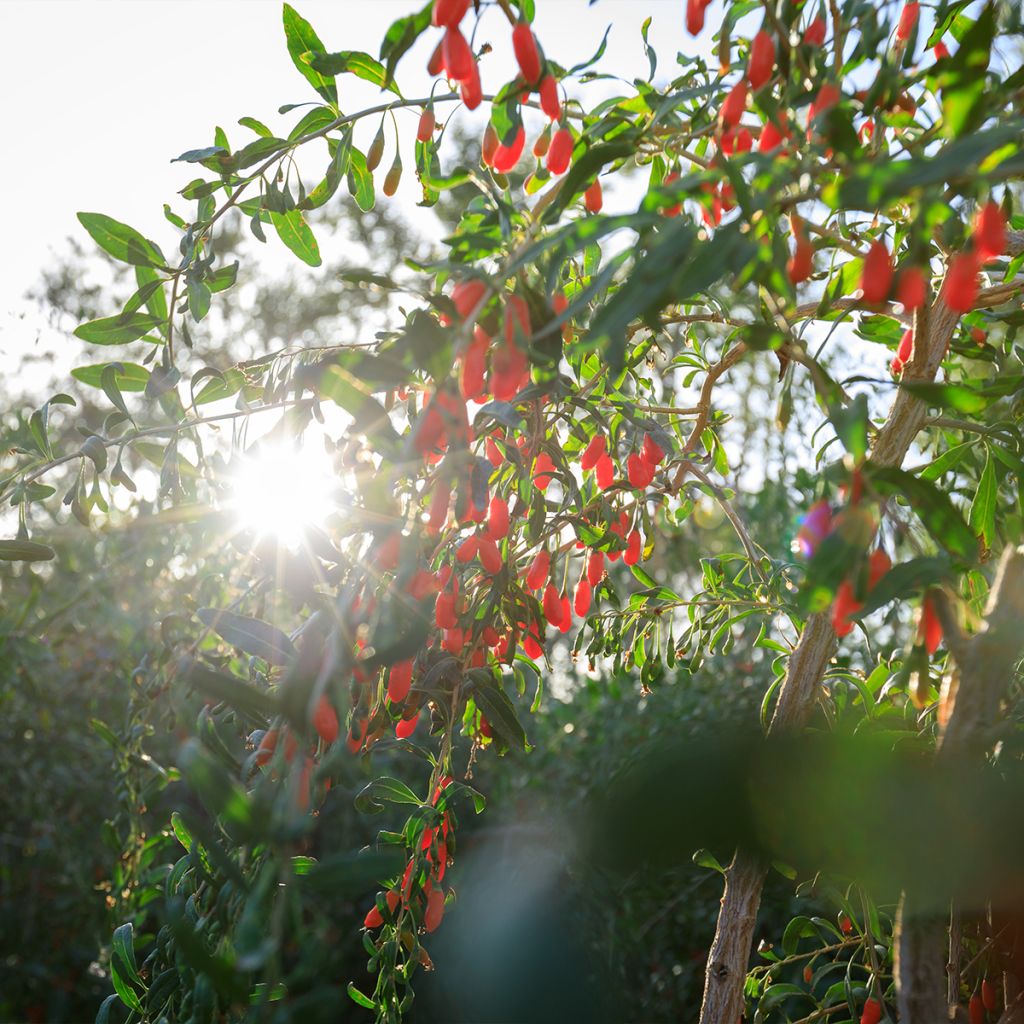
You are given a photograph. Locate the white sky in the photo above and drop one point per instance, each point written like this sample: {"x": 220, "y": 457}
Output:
{"x": 97, "y": 96}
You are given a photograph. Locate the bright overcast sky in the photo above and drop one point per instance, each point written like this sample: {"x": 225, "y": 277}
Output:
{"x": 99, "y": 95}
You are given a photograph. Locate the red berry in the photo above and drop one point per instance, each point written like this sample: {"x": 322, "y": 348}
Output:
{"x": 467, "y": 296}
{"x": 762, "y": 59}
{"x": 734, "y": 105}
{"x": 444, "y": 611}
{"x": 473, "y": 372}
{"x": 808, "y": 974}
{"x": 525, "y": 47}
{"x": 436, "y": 63}
{"x": 814, "y": 35}
{"x": 872, "y": 1012}
{"x": 941, "y": 50}
{"x": 911, "y": 289}
{"x": 801, "y": 263}
{"x": 879, "y": 563}
{"x": 960, "y": 289}
{"x": 471, "y": 89}
{"x": 988, "y": 995}
{"x": 695, "y": 16}
{"x": 597, "y": 447}
{"x": 325, "y": 720}
{"x": 549, "y": 102}
{"x": 844, "y": 605}
{"x": 407, "y": 726}
{"x": 399, "y": 681}
{"x": 593, "y": 200}
{"x": 634, "y": 548}
{"x": 565, "y": 609}
{"x": 538, "y": 570}
{"x": 458, "y": 57}
{"x": 845, "y": 925}
{"x": 560, "y": 151}
{"x": 638, "y": 472}
{"x": 989, "y": 232}
{"x": 770, "y": 137}
{"x": 583, "y": 596}
{"x": 448, "y": 12}
{"x": 543, "y": 468}
{"x": 490, "y": 556}
{"x": 517, "y": 320}
{"x": 506, "y": 157}
{"x": 876, "y": 278}
{"x": 467, "y": 550}
{"x": 595, "y": 567}
{"x": 435, "y": 909}
{"x": 929, "y": 630}
{"x": 651, "y": 451}
{"x": 373, "y": 918}
{"x": 976, "y": 1010}
{"x": 425, "y": 129}
{"x": 439, "y": 502}
{"x": 489, "y": 145}
{"x": 903, "y": 353}
{"x": 267, "y": 746}
{"x": 604, "y": 472}
{"x": 493, "y": 452}
{"x": 497, "y": 517}
{"x": 908, "y": 20}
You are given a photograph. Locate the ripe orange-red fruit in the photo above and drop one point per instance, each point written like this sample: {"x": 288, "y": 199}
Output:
{"x": 597, "y": 447}
{"x": 911, "y": 288}
{"x": 651, "y": 451}
{"x": 695, "y": 15}
{"x": 470, "y": 88}
{"x": 903, "y": 352}
{"x": 639, "y": 472}
{"x": 976, "y": 1010}
{"x": 444, "y": 611}
{"x": 593, "y": 199}
{"x": 436, "y": 63}
{"x": 497, "y": 517}
{"x": 595, "y": 567}
{"x": 524, "y": 45}
{"x": 845, "y": 925}
{"x": 489, "y": 145}
{"x": 583, "y": 596}
{"x": 960, "y": 289}
{"x": 876, "y": 277}
{"x": 539, "y": 568}
{"x": 929, "y": 630}
{"x": 801, "y": 263}
{"x": 560, "y": 151}
{"x": 267, "y": 746}
{"x": 908, "y": 20}
{"x": 490, "y": 556}
{"x": 604, "y": 472}
{"x": 467, "y": 550}
{"x": 989, "y": 232}
{"x": 734, "y": 105}
{"x": 506, "y": 157}
{"x": 941, "y": 50}
{"x": 872, "y": 1012}
{"x": 770, "y": 137}
{"x": 543, "y": 468}
{"x": 458, "y": 57}
{"x": 988, "y": 995}
{"x": 399, "y": 681}
{"x": 325, "y": 720}
{"x": 634, "y": 548}
{"x": 762, "y": 59}
{"x": 448, "y": 12}
{"x": 808, "y": 974}
{"x": 435, "y": 909}
{"x": 467, "y": 296}
{"x": 543, "y": 143}
{"x": 549, "y": 101}
{"x": 844, "y": 606}
{"x": 425, "y": 128}
{"x": 407, "y": 726}
{"x": 814, "y": 34}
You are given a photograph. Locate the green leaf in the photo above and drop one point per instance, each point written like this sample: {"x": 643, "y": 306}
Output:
{"x": 362, "y": 65}
{"x": 250, "y": 635}
{"x": 25, "y": 551}
{"x": 127, "y": 376}
{"x": 360, "y": 181}
{"x": 220, "y": 793}
{"x": 982, "y": 515}
{"x": 121, "y": 241}
{"x": 124, "y": 946}
{"x": 962, "y": 80}
{"x": 373, "y": 796}
{"x": 851, "y": 425}
{"x": 499, "y": 711}
{"x": 358, "y": 998}
{"x": 948, "y": 396}
{"x": 258, "y": 705}
{"x": 113, "y": 330}
{"x": 301, "y": 39}
{"x": 401, "y": 35}
{"x": 932, "y": 505}
{"x": 947, "y": 461}
{"x": 293, "y": 230}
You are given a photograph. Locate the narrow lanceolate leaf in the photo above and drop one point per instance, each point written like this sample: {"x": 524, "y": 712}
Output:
{"x": 495, "y": 705}
{"x": 297, "y": 235}
{"x": 121, "y": 241}
{"x": 127, "y": 376}
{"x": 362, "y": 65}
{"x": 302, "y": 39}
{"x": 250, "y": 635}
{"x": 982, "y": 516}
{"x": 25, "y": 551}
{"x": 113, "y": 330}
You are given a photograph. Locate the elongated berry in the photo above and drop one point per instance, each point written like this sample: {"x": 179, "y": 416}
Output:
{"x": 651, "y": 451}
{"x": 695, "y": 16}
{"x": 565, "y": 607}
{"x": 376, "y": 150}
{"x": 814, "y": 34}
{"x": 734, "y": 105}
{"x": 467, "y": 550}
{"x": 434, "y": 911}
{"x": 407, "y": 726}
{"x": 549, "y": 101}
{"x": 560, "y": 151}
{"x": 425, "y": 128}
{"x": 593, "y": 198}
{"x": 989, "y": 232}
{"x": 872, "y": 1012}
{"x": 960, "y": 288}
{"x": 929, "y": 630}
{"x": 506, "y": 157}
{"x": 762, "y": 59}
{"x": 583, "y": 595}
{"x": 597, "y": 447}
{"x": 539, "y": 569}
{"x": 470, "y": 88}
{"x": 490, "y": 556}
{"x": 908, "y": 20}
{"x": 989, "y": 997}
{"x": 876, "y": 277}
{"x": 604, "y": 472}
{"x": 436, "y": 63}
{"x": 911, "y": 289}
{"x": 444, "y": 611}
{"x": 399, "y": 681}
{"x": 392, "y": 178}
{"x": 448, "y": 12}
{"x": 801, "y": 263}
{"x": 976, "y": 1010}
{"x": 634, "y": 548}
{"x": 497, "y": 517}
{"x": 489, "y": 145}
{"x": 552, "y": 605}
{"x": 770, "y": 137}
{"x": 325, "y": 720}
{"x": 458, "y": 57}
{"x": 903, "y": 352}
{"x": 638, "y": 472}
{"x": 543, "y": 468}
{"x": 595, "y": 567}
{"x": 524, "y": 46}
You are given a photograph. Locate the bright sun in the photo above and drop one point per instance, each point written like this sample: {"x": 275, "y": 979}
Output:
{"x": 278, "y": 489}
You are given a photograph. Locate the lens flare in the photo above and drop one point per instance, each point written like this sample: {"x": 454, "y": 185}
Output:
{"x": 280, "y": 489}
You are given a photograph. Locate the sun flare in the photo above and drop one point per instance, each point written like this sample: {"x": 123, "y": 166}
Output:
{"x": 278, "y": 490}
